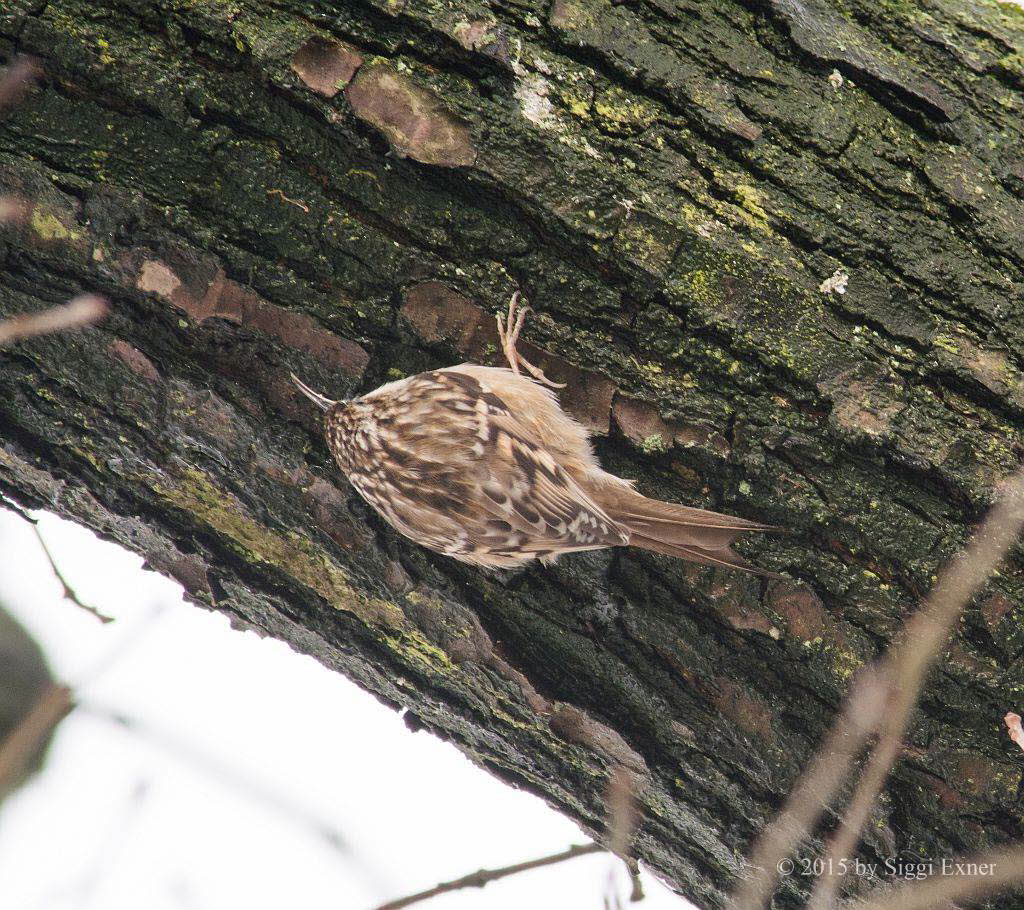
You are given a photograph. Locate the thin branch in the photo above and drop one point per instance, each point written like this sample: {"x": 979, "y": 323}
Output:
{"x": 128, "y": 638}
{"x": 296, "y": 202}
{"x": 23, "y": 742}
{"x": 636, "y": 893}
{"x": 31, "y": 729}
{"x": 623, "y": 820}
{"x": 82, "y": 311}
{"x": 882, "y": 700}
{"x": 109, "y": 850}
{"x": 16, "y": 80}
{"x": 484, "y": 876}
{"x": 814, "y": 790}
{"x": 79, "y": 890}
{"x": 225, "y": 774}
{"x": 844, "y": 840}
{"x": 958, "y": 881}
{"x": 908, "y": 664}
{"x": 623, "y": 817}
{"x": 69, "y": 592}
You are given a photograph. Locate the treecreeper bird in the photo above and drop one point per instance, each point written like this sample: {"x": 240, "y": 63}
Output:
{"x": 483, "y": 465}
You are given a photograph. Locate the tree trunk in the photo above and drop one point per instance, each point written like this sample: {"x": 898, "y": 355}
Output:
{"x": 775, "y": 249}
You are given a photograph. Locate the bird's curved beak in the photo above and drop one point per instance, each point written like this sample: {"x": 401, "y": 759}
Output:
{"x": 321, "y": 401}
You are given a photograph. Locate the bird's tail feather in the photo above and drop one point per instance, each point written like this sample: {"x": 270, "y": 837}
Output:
{"x": 675, "y": 530}
{"x": 725, "y": 556}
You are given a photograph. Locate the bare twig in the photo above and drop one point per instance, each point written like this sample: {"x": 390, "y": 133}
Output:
{"x": 299, "y": 204}
{"x": 128, "y": 639}
{"x": 882, "y": 700}
{"x": 907, "y": 665}
{"x": 22, "y": 743}
{"x": 622, "y": 812}
{"x": 108, "y": 851}
{"x": 16, "y": 80}
{"x": 959, "y": 881}
{"x": 623, "y": 819}
{"x": 57, "y": 701}
{"x": 814, "y": 790}
{"x": 69, "y": 592}
{"x": 80, "y": 890}
{"x": 225, "y": 774}
{"x": 484, "y": 876}
{"x": 83, "y": 310}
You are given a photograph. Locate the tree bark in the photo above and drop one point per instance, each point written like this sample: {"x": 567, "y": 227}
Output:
{"x": 775, "y": 251}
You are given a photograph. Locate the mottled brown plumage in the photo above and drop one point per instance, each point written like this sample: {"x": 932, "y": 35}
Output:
{"x": 482, "y": 464}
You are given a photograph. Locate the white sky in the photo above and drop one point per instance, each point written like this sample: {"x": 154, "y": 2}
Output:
{"x": 414, "y": 809}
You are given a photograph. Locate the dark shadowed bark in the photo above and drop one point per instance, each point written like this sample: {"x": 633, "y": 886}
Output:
{"x": 775, "y": 248}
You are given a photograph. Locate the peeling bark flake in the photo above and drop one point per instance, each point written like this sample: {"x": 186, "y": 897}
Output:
{"x": 326, "y": 66}
{"x": 412, "y": 118}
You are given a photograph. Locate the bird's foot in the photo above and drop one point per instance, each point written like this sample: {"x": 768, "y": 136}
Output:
{"x": 508, "y": 333}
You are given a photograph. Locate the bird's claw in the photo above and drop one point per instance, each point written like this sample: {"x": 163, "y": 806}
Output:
{"x": 508, "y": 334}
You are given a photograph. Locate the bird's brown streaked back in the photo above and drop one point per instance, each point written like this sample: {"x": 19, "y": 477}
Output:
{"x": 482, "y": 464}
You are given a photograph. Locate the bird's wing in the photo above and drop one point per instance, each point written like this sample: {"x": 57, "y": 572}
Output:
{"x": 537, "y": 409}
{"x": 527, "y": 502}
{"x": 525, "y": 488}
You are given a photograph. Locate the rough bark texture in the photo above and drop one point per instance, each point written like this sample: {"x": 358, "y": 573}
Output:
{"x": 776, "y": 249}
